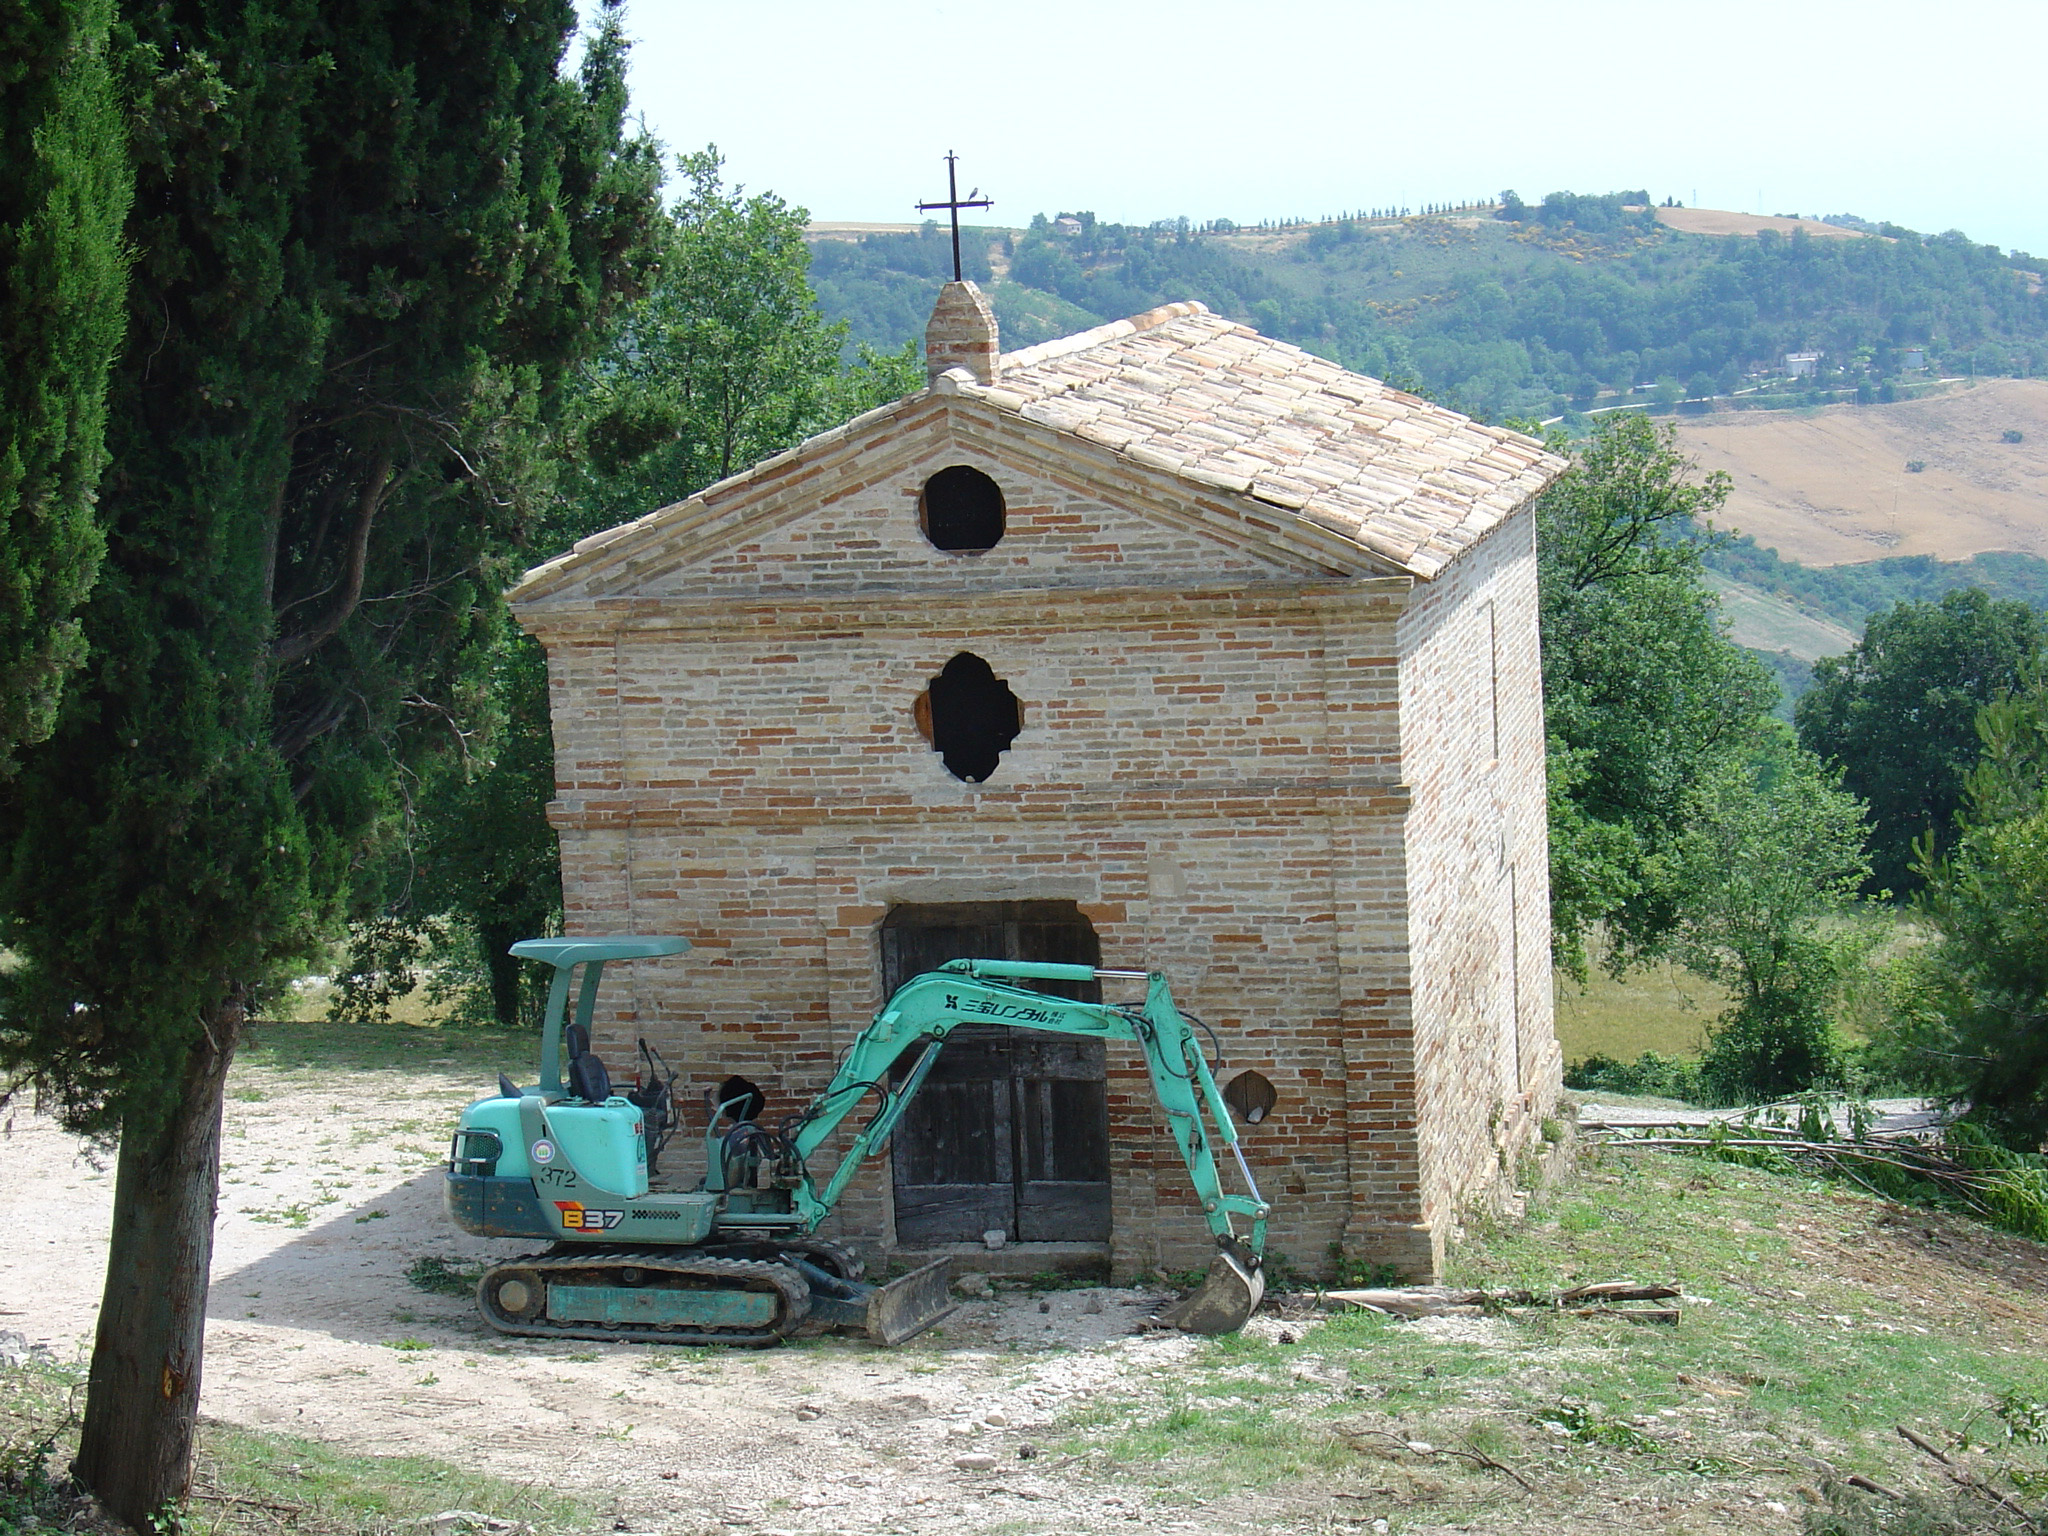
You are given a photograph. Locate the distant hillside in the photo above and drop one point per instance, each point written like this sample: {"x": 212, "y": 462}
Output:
{"x": 1568, "y": 305}
{"x": 1843, "y": 596}
{"x": 1839, "y": 485}
{"x": 1791, "y": 615}
{"x": 1764, "y": 621}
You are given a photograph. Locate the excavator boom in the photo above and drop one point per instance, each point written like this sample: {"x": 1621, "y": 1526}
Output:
{"x": 927, "y": 1008}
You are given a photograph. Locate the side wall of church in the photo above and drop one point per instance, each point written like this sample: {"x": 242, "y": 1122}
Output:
{"x": 1487, "y": 1064}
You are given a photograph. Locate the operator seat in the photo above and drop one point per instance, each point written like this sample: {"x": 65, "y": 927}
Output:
{"x": 588, "y": 1080}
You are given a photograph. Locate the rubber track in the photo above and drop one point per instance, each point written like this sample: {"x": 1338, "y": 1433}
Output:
{"x": 733, "y": 1274}
{"x": 833, "y": 1258}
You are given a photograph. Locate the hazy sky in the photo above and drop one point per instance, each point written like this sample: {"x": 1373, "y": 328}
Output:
{"x": 1932, "y": 114}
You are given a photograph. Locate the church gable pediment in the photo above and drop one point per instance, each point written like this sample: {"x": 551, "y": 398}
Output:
{"x": 943, "y": 494}
{"x": 1173, "y": 446}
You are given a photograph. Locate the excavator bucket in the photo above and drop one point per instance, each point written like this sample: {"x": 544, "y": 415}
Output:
{"x": 1225, "y": 1301}
{"x": 908, "y": 1305}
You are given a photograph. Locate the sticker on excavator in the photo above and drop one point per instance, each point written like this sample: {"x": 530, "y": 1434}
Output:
{"x": 1014, "y": 1012}
{"x": 576, "y": 1217}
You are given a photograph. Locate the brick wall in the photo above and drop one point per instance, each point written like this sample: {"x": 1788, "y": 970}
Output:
{"x": 1236, "y": 764}
{"x": 1487, "y": 1062}
{"x": 962, "y": 334}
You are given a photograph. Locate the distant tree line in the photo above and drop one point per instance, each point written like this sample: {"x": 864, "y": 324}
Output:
{"x": 1583, "y": 298}
{"x": 1849, "y": 594}
{"x": 1601, "y": 214}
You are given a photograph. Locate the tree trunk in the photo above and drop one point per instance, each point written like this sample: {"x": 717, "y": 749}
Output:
{"x": 142, "y": 1400}
{"x": 505, "y": 970}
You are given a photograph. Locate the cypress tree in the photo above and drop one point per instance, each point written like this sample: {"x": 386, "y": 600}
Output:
{"x": 371, "y": 239}
{"x": 62, "y": 201}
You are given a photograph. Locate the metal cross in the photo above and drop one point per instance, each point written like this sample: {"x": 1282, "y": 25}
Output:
{"x": 953, "y": 204}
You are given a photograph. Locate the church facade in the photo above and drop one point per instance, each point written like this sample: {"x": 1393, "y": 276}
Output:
{"x": 1166, "y": 646}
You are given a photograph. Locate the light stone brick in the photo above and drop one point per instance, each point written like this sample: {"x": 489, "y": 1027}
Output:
{"x": 1291, "y": 760}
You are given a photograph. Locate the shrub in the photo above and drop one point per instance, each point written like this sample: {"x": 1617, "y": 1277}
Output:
{"x": 1650, "y": 1075}
{"x": 1768, "y": 1047}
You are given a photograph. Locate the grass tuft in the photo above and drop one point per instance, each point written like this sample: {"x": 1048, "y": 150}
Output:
{"x": 445, "y": 1277}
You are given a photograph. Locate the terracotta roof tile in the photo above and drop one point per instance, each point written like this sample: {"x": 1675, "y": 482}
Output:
{"x": 1191, "y": 393}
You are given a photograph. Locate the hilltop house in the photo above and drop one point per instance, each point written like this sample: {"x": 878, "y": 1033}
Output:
{"x": 1163, "y": 646}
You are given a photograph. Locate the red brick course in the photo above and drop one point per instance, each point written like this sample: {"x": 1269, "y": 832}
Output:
{"x": 1309, "y": 793}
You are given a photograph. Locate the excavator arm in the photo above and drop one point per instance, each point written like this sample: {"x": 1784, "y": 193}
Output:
{"x": 928, "y": 1008}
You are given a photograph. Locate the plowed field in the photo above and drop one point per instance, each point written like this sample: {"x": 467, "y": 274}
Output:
{"x": 1832, "y": 487}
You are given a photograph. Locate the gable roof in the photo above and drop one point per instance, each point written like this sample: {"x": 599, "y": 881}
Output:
{"x": 1182, "y": 390}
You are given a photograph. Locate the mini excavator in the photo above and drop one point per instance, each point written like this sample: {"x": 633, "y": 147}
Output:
{"x": 736, "y": 1261}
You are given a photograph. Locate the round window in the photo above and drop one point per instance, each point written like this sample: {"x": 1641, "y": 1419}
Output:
{"x": 961, "y": 510}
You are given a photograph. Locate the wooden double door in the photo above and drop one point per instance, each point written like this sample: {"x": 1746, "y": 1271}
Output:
{"x": 1011, "y": 1130}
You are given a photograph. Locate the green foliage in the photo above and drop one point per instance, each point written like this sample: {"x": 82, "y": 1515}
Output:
{"x": 1898, "y": 714}
{"x": 29, "y": 1495}
{"x": 725, "y": 361}
{"x": 62, "y": 274}
{"x": 1642, "y": 693}
{"x": 1965, "y": 1172}
{"x": 2012, "y": 1193}
{"x": 1596, "y": 214}
{"x": 1680, "y": 820}
{"x": 1971, "y": 1008}
{"x": 1592, "y": 1424}
{"x": 1770, "y": 855}
{"x": 1651, "y": 1075}
{"x": 444, "y": 1277}
{"x": 2023, "y": 1420}
{"x": 1283, "y": 1274}
{"x": 477, "y": 872}
{"x": 369, "y": 245}
{"x": 1350, "y": 1270}
{"x": 1766, "y": 1047}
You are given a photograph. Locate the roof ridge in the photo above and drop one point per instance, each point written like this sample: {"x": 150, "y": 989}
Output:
{"x": 1115, "y": 330}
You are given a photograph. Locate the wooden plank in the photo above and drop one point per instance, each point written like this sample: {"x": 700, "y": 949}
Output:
{"x": 1050, "y": 1212}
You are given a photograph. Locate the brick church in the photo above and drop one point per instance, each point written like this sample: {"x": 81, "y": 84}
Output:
{"x": 1165, "y": 646}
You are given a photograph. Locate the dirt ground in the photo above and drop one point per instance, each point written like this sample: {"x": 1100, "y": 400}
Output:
{"x": 1089, "y": 1423}
{"x": 331, "y": 1190}
{"x": 1832, "y": 487}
